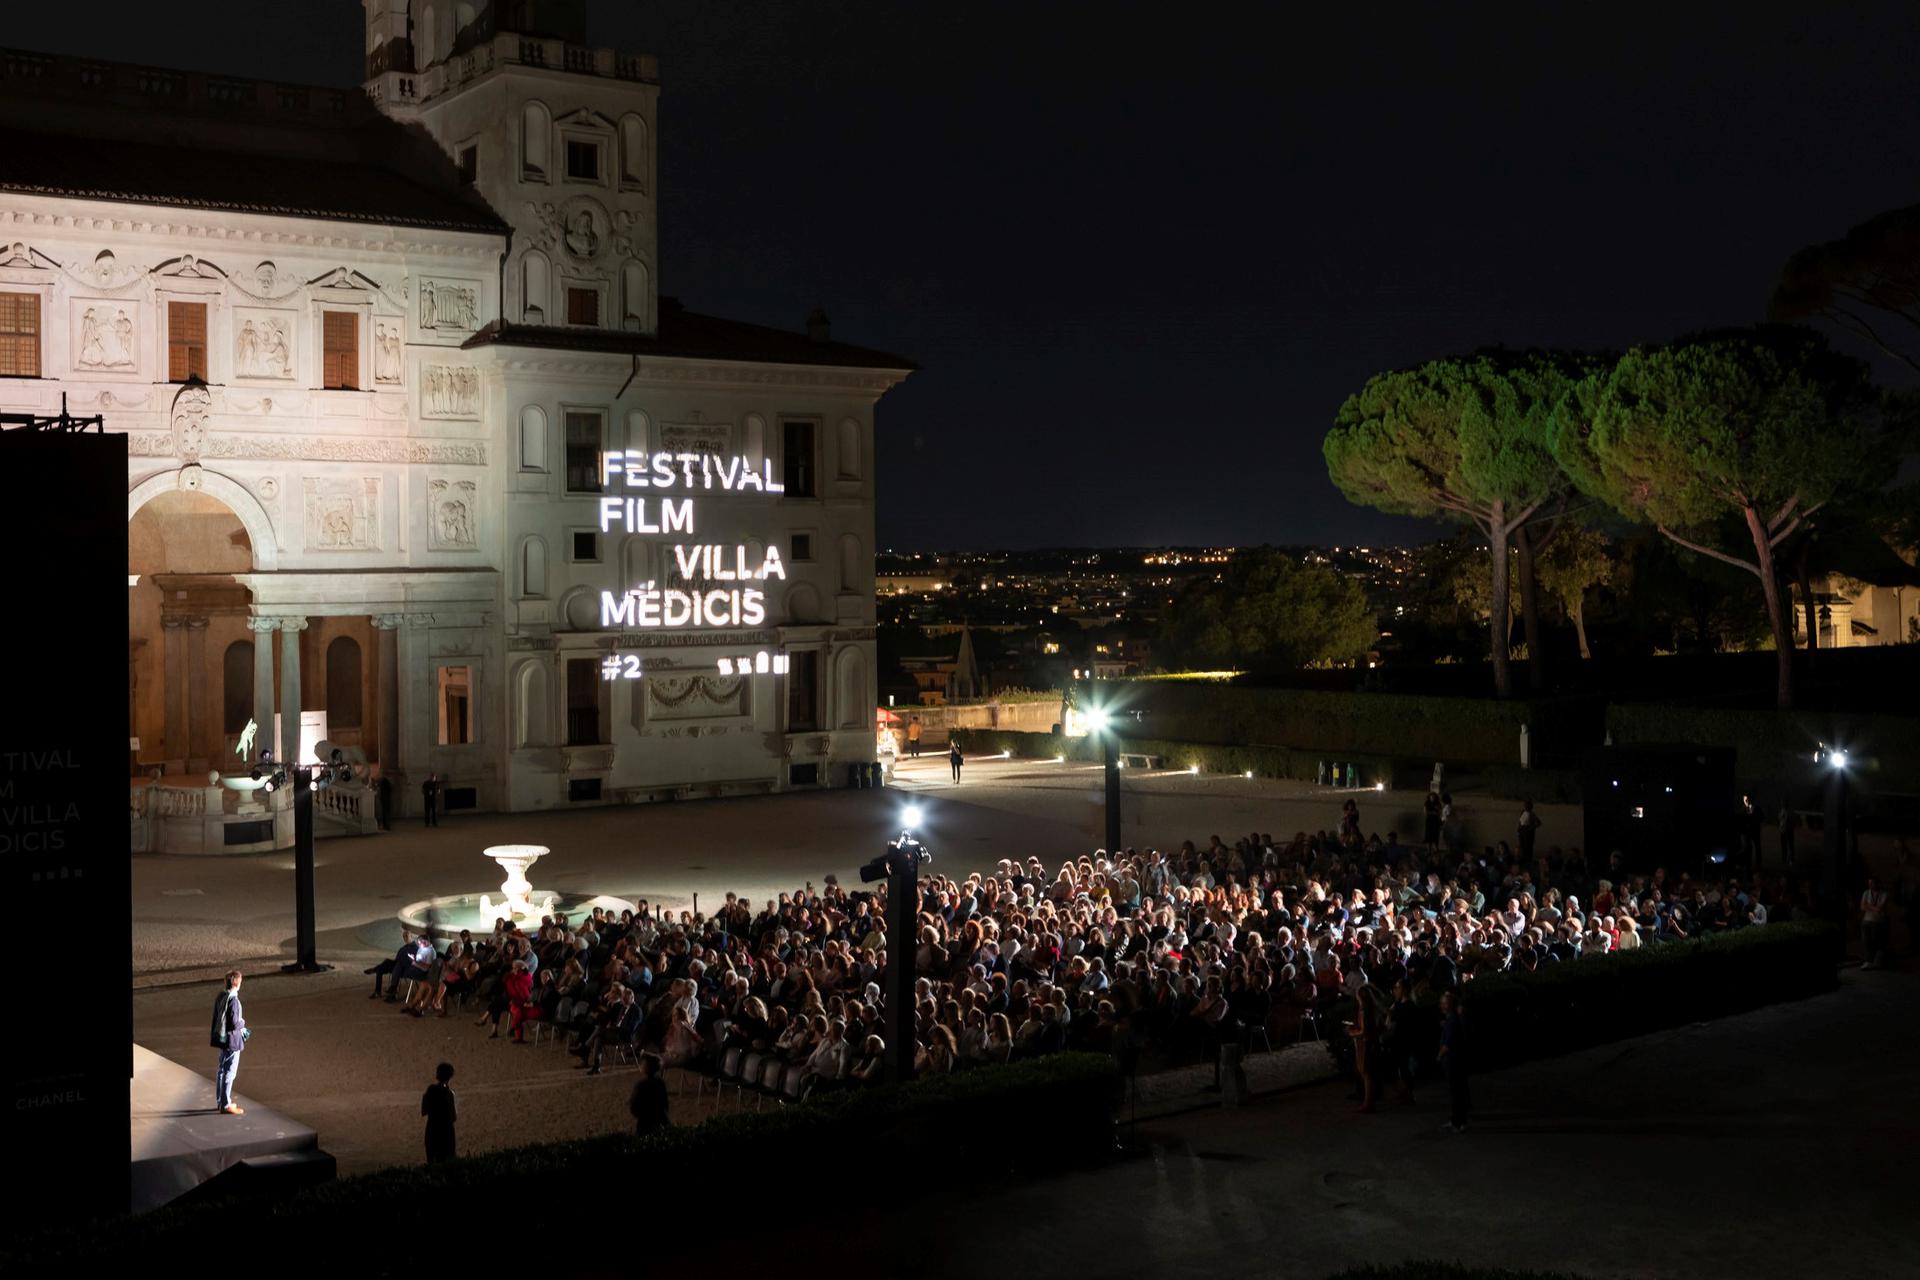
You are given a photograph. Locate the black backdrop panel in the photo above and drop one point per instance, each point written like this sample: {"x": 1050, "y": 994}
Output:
{"x": 63, "y": 818}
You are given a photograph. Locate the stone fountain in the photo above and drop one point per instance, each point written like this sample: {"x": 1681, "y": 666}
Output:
{"x": 519, "y": 902}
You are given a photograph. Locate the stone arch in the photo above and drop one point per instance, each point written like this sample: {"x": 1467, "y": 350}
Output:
{"x": 851, "y": 709}
{"x": 536, "y": 139}
{"x": 803, "y": 604}
{"x": 533, "y": 567}
{"x": 536, "y": 291}
{"x": 634, "y": 293}
{"x": 530, "y": 727}
{"x": 235, "y": 496}
{"x": 533, "y": 438}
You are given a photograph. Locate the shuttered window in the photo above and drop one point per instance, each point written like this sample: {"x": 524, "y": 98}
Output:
{"x": 186, "y": 341}
{"x": 340, "y": 350}
{"x": 19, "y": 335}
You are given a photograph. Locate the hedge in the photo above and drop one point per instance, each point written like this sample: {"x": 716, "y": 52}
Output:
{"x": 1511, "y": 782}
{"x": 1059, "y": 1106}
{"x": 1565, "y": 1007}
{"x": 1775, "y": 746}
{"x": 1426, "y": 1269}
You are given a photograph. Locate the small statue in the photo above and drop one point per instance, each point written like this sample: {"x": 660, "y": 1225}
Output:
{"x": 245, "y": 749}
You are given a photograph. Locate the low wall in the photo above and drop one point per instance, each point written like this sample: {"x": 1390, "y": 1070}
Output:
{"x": 1773, "y": 746}
{"x": 936, "y": 723}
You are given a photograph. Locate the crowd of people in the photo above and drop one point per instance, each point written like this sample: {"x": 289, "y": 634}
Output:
{"x": 1157, "y": 956}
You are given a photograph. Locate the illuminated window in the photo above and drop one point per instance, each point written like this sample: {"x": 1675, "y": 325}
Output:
{"x": 340, "y": 351}
{"x": 19, "y": 335}
{"x": 456, "y": 692}
{"x": 186, "y": 341}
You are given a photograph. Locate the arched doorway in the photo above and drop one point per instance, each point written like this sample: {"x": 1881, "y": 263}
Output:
{"x": 186, "y": 615}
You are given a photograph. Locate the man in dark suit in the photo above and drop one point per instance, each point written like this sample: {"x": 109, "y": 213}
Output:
{"x": 229, "y": 1036}
{"x": 430, "y": 798}
{"x": 649, "y": 1102}
{"x": 620, "y": 1028}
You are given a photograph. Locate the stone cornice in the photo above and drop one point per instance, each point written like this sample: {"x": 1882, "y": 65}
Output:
{"x": 135, "y": 219}
{"x": 314, "y": 448}
{"x": 724, "y": 374}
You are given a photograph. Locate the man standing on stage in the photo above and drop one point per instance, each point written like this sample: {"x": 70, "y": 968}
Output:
{"x": 230, "y": 1036}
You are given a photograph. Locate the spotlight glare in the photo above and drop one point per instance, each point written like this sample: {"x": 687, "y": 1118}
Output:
{"x": 1379, "y": 786}
{"x": 1193, "y": 768}
{"x": 1837, "y": 758}
{"x": 1249, "y": 773}
{"x": 911, "y": 816}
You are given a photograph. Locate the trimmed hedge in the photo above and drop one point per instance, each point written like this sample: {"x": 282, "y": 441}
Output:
{"x": 1427, "y": 1269}
{"x": 1060, "y": 1107}
{"x": 1775, "y": 745}
{"x": 1565, "y": 1007}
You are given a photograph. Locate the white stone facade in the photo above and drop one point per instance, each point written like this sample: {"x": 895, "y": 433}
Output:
{"x": 418, "y": 538}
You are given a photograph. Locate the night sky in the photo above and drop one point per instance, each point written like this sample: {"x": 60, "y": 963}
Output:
{"x": 1142, "y": 253}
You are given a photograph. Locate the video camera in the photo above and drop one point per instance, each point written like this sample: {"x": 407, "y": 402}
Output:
{"x": 902, "y": 856}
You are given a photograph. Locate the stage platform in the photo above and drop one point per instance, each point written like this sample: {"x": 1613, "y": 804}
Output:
{"x": 180, "y": 1143}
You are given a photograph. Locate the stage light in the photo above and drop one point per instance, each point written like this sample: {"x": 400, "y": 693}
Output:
{"x": 1837, "y": 758}
{"x": 910, "y": 816}
{"x": 1097, "y": 719}
{"x": 1379, "y": 786}
{"x": 1193, "y": 768}
{"x": 1249, "y": 773}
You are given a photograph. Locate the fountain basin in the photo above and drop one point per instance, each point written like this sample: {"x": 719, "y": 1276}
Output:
{"x": 445, "y": 917}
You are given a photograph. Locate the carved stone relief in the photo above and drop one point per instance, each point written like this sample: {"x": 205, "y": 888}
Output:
{"x": 343, "y": 515}
{"x": 387, "y": 345}
{"x": 449, "y": 391}
{"x": 452, "y": 507}
{"x": 464, "y": 453}
{"x": 190, "y": 409}
{"x": 262, "y": 343}
{"x": 449, "y": 306}
{"x": 104, "y": 335}
{"x": 694, "y": 698}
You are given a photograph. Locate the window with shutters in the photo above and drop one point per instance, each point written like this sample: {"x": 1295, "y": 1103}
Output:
{"x": 797, "y": 458}
{"x": 583, "y": 701}
{"x": 340, "y": 350}
{"x": 19, "y": 335}
{"x": 585, "y": 430}
{"x": 186, "y": 341}
{"x": 583, "y": 306}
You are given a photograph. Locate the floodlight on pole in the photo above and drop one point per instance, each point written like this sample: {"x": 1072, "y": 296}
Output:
{"x": 910, "y": 817}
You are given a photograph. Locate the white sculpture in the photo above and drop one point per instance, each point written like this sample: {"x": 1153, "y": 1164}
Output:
{"x": 245, "y": 749}
{"x": 515, "y": 859}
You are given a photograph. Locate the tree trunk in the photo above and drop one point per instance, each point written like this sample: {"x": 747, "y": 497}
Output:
{"x": 1530, "y": 611}
{"x": 1578, "y": 609}
{"x": 1499, "y": 620}
{"x": 1776, "y": 612}
{"x": 1804, "y": 576}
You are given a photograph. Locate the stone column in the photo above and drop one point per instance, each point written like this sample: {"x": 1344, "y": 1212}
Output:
{"x": 199, "y": 734}
{"x": 387, "y": 702}
{"x": 263, "y": 629}
{"x": 175, "y": 732}
{"x": 290, "y": 629}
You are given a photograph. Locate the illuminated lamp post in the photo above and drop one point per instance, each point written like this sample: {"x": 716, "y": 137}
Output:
{"x": 1101, "y": 724}
{"x": 1835, "y": 835}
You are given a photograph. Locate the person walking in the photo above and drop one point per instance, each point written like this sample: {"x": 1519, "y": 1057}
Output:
{"x": 437, "y": 1105}
{"x": 230, "y": 1036}
{"x": 955, "y": 759}
{"x": 649, "y": 1102}
{"x": 1453, "y": 1061}
{"x": 913, "y": 737}
{"x": 430, "y": 798}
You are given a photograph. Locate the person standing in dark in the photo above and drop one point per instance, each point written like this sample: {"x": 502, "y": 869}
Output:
{"x": 955, "y": 759}
{"x": 430, "y": 797}
{"x": 649, "y": 1101}
{"x": 437, "y": 1105}
{"x": 1453, "y": 1060}
{"x": 1529, "y": 829}
{"x": 1433, "y": 821}
{"x": 230, "y": 1036}
{"x": 1789, "y": 823}
{"x": 913, "y": 737}
{"x": 383, "y": 802}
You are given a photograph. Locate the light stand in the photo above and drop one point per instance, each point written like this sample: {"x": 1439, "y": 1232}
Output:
{"x": 1834, "y": 837}
{"x": 1101, "y": 722}
{"x": 305, "y": 780}
{"x": 899, "y": 866}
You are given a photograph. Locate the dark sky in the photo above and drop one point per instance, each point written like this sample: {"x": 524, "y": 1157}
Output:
{"x": 1143, "y": 252}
